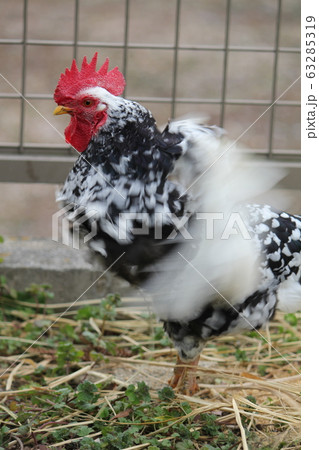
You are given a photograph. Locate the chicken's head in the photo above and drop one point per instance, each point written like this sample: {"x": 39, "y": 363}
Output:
{"x": 85, "y": 94}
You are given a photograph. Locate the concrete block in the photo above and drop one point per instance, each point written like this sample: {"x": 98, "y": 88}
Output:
{"x": 73, "y": 274}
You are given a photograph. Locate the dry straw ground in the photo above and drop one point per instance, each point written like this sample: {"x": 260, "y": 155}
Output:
{"x": 250, "y": 383}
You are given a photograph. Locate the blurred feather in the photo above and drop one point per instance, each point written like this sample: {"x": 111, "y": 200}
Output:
{"x": 220, "y": 264}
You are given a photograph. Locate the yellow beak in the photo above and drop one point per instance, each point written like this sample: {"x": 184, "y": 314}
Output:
{"x": 61, "y": 110}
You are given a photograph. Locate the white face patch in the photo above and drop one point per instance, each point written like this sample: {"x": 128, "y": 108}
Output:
{"x": 101, "y": 107}
{"x": 105, "y": 98}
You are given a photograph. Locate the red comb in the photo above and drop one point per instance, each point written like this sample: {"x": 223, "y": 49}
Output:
{"x": 74, "y": 79}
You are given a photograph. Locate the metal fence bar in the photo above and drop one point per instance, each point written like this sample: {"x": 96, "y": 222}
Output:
{"x": 23, "y": 74}
{"x": 136, "y": 46}
{"x": 274, "y": 82}
{"x": 224, "y": 83}
{"x": 175, "y": 63}
{"x": 208, "y": 101}
{"x": 126, "y": 31}
{"x": 76, "y": 28}
{"x": 213, "y": 101}
{"x": 75, "y": 40}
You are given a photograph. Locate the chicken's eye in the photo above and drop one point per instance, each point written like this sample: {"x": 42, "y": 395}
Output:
{"x": 87, "y": 102}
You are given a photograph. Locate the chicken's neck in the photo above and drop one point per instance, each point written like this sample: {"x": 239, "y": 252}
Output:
{"x": 129, "y": 143}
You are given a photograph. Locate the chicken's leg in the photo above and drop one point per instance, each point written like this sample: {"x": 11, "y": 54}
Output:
{"x": 184, "y": 378}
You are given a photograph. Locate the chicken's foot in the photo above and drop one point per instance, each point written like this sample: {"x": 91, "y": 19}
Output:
{"x": 184, "y": 378}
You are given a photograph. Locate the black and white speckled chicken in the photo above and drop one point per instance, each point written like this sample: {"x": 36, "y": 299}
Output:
{"x": 168, "y": 210}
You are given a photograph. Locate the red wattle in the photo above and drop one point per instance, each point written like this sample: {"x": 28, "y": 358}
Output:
{"x": 79, "y": 132}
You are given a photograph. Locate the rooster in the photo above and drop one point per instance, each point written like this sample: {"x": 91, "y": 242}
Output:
{"x": 167, "y": 210}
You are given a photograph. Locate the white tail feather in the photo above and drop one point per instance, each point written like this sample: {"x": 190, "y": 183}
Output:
{"x": 223, "y": 270}
{"x": 289, "y": 295}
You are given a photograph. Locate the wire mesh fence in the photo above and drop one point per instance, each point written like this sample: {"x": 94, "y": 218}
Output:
{"x": 236, "y": 62}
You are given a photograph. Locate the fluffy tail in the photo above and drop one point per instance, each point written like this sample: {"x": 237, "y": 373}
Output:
{"x": 216, "y": 261}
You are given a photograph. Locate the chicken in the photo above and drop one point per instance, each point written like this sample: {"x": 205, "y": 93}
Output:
{"x": 168, "y": 210}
